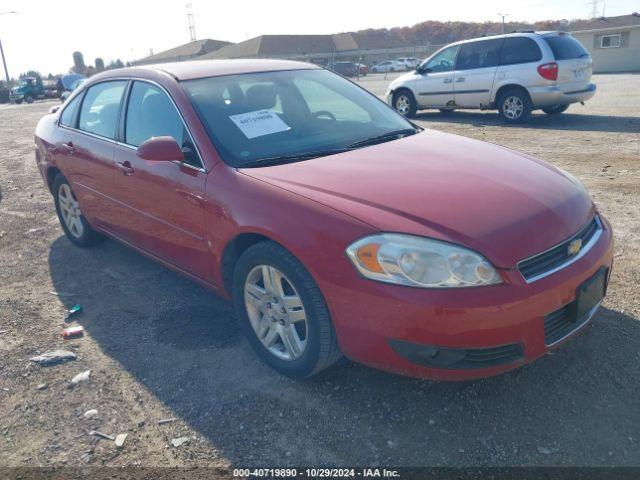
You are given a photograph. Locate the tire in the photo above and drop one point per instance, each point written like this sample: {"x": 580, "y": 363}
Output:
{"x": 405, "y": 103}
{"x": 18, "y": 102}
{"x": 28, "y": 99}
{"x": 515, "y": 106}
{"x": 555, "y": 109}
{"x": 320, "y": 349}
{"x": 446, "y": 111}
{"x": 79, "y": 232}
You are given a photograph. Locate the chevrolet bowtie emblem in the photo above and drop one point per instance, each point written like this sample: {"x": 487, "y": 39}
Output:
{"x": 574, "y": 247}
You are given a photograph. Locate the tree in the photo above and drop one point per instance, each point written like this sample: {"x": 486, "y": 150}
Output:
{"x": 30, "y": 73}
{"x": 78, "y": 63}
{"x": 99, "y": 64}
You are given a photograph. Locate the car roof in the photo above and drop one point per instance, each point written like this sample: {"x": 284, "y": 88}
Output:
{"x": 193, "y": 69}
{"x": 530, "y": 34}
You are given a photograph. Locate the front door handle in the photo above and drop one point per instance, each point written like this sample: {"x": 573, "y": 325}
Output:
{"x": 69, "y": 147}
{"x": 125, "y": 167}
{"x": 460, "y": 79}
{"x": 448, "y": 80}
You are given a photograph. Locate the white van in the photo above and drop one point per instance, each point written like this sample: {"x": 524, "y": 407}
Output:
{"x": 513, "y": 73}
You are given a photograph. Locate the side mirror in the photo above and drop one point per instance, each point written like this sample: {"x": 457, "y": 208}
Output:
{"x": 160, "y": 149}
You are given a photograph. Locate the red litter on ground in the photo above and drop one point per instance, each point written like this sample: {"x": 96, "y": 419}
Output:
{"x": 72, "y": 332}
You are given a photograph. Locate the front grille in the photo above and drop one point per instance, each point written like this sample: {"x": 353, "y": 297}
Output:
{"x": 545, "y": 263}
{"x": 457, "y": 358}
{"x": 559, "y": 324}
{"x": 489, "y": 357}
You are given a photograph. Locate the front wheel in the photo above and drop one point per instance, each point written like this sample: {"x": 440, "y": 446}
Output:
{"x": 405, "y": 103}
{"x": 555, "y": 109}
{"x": 514, "y": 106}
{"x": 75, "y": 226}
{"x": 282, "y": 312}
{"x": 28, "y": 99}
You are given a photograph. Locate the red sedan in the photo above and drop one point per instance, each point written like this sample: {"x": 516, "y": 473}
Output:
{"x": 334, "y": 224}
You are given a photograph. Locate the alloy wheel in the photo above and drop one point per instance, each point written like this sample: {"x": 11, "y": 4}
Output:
{"x": 403, "y": 105}
{"x": 513, "y": 107}
{"x": 70, "y": 210}
{"x": 276, "y": 312}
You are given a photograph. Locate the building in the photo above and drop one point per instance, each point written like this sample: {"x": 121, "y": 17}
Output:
{"x": 320, "y": 49}
{"x": 188, "y": 51}
{"x": 613, "y": 42}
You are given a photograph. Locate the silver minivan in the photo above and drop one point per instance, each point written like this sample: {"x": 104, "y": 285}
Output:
{"x": 514, "y": 73}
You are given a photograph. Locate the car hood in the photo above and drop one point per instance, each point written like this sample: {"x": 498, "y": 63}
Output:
{"x": 503, "y": 204}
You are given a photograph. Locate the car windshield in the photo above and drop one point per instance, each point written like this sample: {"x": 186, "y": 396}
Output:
{"x": 274, "y": 117}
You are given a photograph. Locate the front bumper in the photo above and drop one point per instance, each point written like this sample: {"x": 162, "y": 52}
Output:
{"x": 15, "y": 96}
{"x": 552, "y": 95}
{"x": 506, "y": 320}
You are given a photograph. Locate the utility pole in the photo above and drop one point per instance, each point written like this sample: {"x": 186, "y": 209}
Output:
{"x": 4, "y": 61}
{"x": 503, "y": 17}
{"x": 190, "y": 22}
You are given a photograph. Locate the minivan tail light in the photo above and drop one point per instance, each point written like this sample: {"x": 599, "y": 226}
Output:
{"x": 548, "y": 71}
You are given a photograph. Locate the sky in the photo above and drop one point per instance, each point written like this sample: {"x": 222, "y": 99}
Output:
{"x": 44, "y": 34}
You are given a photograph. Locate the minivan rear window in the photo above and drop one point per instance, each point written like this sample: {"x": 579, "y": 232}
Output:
{"x": 565, "y": 47}
{"x": 519, "y": 50}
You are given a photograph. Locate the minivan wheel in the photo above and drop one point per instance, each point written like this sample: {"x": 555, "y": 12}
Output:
{"x": 514, "y": 106}
{"x": 282, "y": 312}
{"x": 75, "y": 226}
{"x": 555, "y": 109}
{"x": 405, "y": 103}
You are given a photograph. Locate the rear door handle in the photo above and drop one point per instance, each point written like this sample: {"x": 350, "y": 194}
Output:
{"x": 125, "y": 167}
{"x": 69, "y": 147}
{"x": 460, "y": 79}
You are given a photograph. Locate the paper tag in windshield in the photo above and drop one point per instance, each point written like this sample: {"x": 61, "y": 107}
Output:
{"x": 259, "y": 123}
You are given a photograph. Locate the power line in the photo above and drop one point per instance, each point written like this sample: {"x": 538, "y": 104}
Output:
{"x": 190, "y": 22}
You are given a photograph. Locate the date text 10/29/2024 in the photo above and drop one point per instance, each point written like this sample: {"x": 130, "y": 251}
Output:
{"x": 315, "y": 473}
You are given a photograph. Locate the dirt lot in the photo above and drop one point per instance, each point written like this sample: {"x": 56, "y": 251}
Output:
{"x": 159, "y": 346}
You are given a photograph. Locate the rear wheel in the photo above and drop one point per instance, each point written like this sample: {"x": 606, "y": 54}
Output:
{"x": 405, "y": 103}
{"x": 28, "y": 99}
{"x": 514, "y": 106}
{"x": 282, "y": 312}
{"x": 75, "y": 226}
{"x": 555, "y": 109}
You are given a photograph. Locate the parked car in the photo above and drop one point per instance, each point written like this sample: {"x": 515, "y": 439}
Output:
{"x": 514, "y": 73}
{"x": 363, "y": 69}
{"x": 77, "y": 83}
{"x": 334, "y": 224}
{"x": 347, "y": 69}
{"x": 28, "y": 90}
{"x": 388, "y": 66}
{"x": 410, "y": 63}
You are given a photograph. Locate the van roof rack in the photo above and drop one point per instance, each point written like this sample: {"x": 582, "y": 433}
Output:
{"x": 523, "y": 31}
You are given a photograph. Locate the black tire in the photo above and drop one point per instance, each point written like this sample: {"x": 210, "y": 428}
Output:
{"x": 18, "y": 102}
{"x": 520, "y": 98}
{"x": 321, "y": 350}
{"x": 28, "y": 99}
{"x": 88, "y": 236}
{"x": 405, "y": 103}
{"x": 555, "y": 109}
{"x": 446, "y": 111}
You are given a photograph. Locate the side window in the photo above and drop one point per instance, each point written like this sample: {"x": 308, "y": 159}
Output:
{"x": 68, "y": 116}
{"x": 481, "y": 54}
{"x": 443, "y": 61}
{"x": 520, "y": 50}
{"x": 100, "y": 108}
{"x": 151, "y": 113}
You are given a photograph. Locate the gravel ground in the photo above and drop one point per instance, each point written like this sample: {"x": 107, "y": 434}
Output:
{"x": 159, "y": 346}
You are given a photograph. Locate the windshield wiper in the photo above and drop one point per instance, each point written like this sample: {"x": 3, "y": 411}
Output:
{"x": 385, "y": 137}
{"x": 280, "y": 159}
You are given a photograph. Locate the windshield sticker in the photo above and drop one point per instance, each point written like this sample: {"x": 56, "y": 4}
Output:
{"x": 259, "y": 123}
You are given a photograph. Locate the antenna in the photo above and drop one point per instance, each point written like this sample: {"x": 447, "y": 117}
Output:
{"x": 191, "y": 24}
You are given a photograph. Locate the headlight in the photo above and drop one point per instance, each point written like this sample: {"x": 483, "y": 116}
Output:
{"x": 420, "y": 262}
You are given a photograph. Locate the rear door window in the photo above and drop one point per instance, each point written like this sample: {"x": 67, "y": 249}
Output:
{"x": 565, "y": 47}
{"x": 520, "y": 50}
{"x": 68, "y": 117}
{"x": 101, "y": 107}
{"x": 485, "y": 53}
